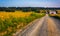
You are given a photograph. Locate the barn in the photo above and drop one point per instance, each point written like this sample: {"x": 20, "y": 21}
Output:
{"x": 52, "y": 12}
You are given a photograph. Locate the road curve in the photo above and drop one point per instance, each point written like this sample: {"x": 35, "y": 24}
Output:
{"x": 46, "y": 26}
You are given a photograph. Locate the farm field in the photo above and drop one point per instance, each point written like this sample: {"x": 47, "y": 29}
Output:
{"x": 14, "y": 14}
{"x": 10, "y": 22}
{"x": 58, "y": 13}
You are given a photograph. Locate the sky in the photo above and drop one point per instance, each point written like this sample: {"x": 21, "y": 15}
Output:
{"x": 29, "y": 3}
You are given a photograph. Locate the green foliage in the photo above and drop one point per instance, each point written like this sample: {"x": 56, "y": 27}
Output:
{"x": 43, "y": 11}
{"x": 2, "y": 26}
{"x": 7, "y": 22}
{"x": 21, "y": 19}
{"x": 37, "y": 15}
{"x": 28, "y": 19}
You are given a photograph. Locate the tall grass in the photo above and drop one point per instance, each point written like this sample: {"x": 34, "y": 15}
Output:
{"x": 12, "y": 24}
{"x": 55, "y": 16}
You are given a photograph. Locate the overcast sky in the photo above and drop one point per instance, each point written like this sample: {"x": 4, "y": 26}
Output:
{"x": 29, "y": 3}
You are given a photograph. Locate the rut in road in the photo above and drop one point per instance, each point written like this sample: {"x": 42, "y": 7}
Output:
{"x": 43, "y": 27}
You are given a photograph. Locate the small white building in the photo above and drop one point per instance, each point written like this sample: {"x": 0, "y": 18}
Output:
{"x": 52, "y": 12}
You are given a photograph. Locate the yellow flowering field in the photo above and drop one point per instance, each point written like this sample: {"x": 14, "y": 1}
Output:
{"x": 10, "y": 22}
{"x": 14, "y": 14}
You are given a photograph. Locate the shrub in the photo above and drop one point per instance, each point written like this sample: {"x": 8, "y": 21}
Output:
{"x": 10, "y": 10}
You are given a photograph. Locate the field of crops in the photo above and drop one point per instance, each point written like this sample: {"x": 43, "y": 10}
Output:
{"x": 58, "y": 13}
{"x": 57, "y": 16}
{"x": 10, "y": 22}
{"x": 14, "y": 14}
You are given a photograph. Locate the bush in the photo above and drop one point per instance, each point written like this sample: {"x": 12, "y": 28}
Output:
{"x": 10, "y": 10}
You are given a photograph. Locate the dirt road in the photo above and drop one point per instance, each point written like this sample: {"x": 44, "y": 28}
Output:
{"x": 45, "y": 26}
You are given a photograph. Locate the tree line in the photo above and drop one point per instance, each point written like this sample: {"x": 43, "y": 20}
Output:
{"x": 26, "y": 9}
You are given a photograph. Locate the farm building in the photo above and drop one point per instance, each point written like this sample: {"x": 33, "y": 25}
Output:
{"x": 52, "y": 12}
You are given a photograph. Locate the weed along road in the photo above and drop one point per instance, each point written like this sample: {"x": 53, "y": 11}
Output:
{"x": 46, "y": 26}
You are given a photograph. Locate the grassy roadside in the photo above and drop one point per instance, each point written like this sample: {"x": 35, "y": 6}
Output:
{"x": 55, "y": 16}
{"x": 10, "y": 25}
{"x": 58, "y": 17}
